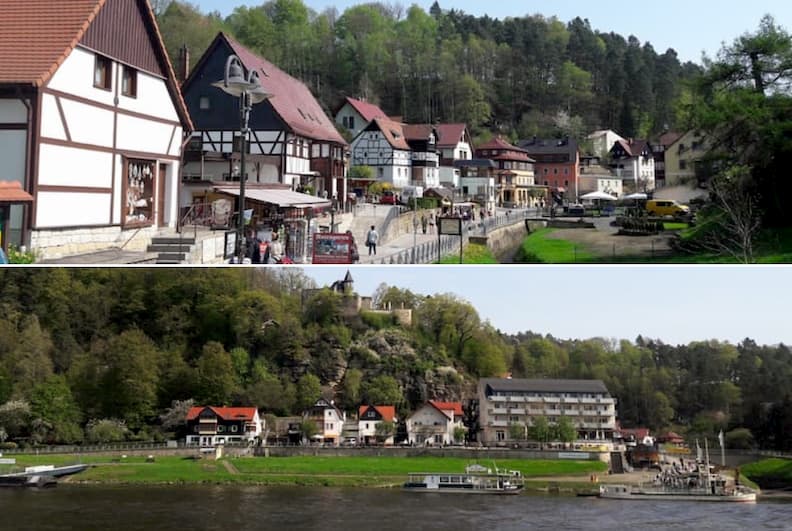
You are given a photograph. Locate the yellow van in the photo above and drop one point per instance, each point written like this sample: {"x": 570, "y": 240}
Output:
{"x": 665, "y": 207}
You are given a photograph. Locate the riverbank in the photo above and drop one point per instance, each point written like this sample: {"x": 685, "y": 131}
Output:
{"x": 372, "y": 472}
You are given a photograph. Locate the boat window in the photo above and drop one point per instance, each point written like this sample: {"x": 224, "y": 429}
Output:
{"x": 443, "y": 479}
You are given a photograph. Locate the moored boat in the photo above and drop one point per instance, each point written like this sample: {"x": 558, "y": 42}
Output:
{"x": 475, "y": 480}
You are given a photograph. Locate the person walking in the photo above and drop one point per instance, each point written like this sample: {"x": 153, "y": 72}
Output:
{"x": 424, "y": 223}
{"x": 371, "y": 240}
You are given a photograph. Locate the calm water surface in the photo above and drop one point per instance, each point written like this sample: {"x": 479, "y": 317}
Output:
{"x": 255, "y": 508}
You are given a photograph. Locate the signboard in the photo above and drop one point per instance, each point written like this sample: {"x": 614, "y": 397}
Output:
{"x": 230, "y": 244}
{"x": 331, "y": 248}
{"x": 449, "y": 226}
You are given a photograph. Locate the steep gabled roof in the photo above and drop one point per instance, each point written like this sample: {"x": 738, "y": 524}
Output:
{"x": 367, "y": 110}
{"x": 552, "y": 146}
{"x": 388, "y": 413}
{"x": 449, "y": 135}
{"x": 417, "y": 131}
{"x": 225, "y": 413}
{"x": 448, "y": 407}
{"x": 633, "y": 148}
{"x": 392, "y": 131}
{"x": 36, "y": 37}
{"x": 510, "y": 152}
{"x": 291, "y": 98}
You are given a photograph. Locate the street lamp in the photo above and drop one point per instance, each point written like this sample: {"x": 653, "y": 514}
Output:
{"x": 250, "y": 92}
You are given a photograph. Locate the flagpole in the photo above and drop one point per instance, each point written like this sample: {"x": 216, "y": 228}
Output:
{"x": 723, "y": 449}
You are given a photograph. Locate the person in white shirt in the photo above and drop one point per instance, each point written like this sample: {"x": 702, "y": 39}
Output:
{"x": 276, "y": 249}
{"x": 371, "y": 240}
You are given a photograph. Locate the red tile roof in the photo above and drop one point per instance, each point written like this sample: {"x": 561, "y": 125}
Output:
{"x": 388, "y": 413}
{"x": 292, "y": 100}
{"x": 449, "y": 135}
{"x": 417, "y": 131}
{"x": 454, "y": 407}
{"x": 12, "y": 192}
{"x": 393, "y": 133}
{"x": 226, "y": 413}
{"x": 36, "y": 37}
{"x": 512, "y": 152}
{"x": 367, "y": 110}
{"x": 633, "y": 148}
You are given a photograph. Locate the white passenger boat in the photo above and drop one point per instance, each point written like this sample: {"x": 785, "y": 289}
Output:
{"x": 475, "y": 480}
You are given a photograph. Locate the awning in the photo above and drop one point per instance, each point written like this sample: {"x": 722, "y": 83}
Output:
{"x": 281, "y": 198}
{"x": 12, "y": 192}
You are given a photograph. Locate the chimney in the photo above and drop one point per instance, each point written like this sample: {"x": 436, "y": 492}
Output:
{"x": 184, "y": 64}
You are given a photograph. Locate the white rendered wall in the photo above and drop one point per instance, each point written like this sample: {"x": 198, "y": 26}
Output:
{"x": 137, "y": 134}
{"x": 67, "y": 166}
{"x": 59, "y": 209}
{"x": 153, "y": 98}
{"x": 87, "y": 124}
{"x": 51, "y": 123}
{"x": 76, "y": 75}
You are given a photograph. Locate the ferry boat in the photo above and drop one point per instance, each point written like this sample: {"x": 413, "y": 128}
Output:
{"x": 475, "y": 480}
{"x": 701, "y": 485}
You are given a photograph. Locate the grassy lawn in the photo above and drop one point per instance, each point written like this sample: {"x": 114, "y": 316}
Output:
{"x": 770, "y": 473}
{"x": 302, "y": 471}
{"x": 538, "y": 249}
{"x": 472, "y": 254}
{"x": 674, "y": 226}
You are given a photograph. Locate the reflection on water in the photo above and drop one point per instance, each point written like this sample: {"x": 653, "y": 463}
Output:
{"x": 254, "y": 508}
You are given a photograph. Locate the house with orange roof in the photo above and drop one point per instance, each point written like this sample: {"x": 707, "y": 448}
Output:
{"x": 292, "y": 144}
{"x": 211, "y": 426}
{"x": 435, "y": 423}
{"x": 369, "y": 417}
{"x": 92, "y": 124}
{"x": 355, "y": 114}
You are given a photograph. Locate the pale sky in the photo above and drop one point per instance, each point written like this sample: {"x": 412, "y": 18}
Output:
{"x": 676, "y": 304}
{"x": 689, "y": 27}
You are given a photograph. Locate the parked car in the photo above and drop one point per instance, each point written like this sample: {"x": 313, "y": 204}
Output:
{"x": 388, "y": 198}
{"x": 666, "y": 207}
{"x": 576, "y": 210}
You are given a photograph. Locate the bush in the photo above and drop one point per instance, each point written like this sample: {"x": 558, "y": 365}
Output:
{"x": 9, "y": 445}
{"x": 378, "y": 321}
{"x": 106, "y": 430}
{"x": 15, "y": 256}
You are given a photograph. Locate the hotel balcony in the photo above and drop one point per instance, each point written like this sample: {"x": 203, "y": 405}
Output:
{"x": 495, "y": 398}
{"x": 552, "y": 411}
{"x": 570, "y": 400}
{"x": 517, "y": 411}
{"x": 537, "y": 411}
{"x": 499, "y": 424}
{"x": 500, "y": 411}
{"x": 553, "y": 399}
{"x": 611, "y": 401}
{"x": 588, "y": 400}
{"x": 517, "y": 399}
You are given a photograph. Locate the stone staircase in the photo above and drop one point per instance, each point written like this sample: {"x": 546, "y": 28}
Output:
{"x": 171, "y": 250}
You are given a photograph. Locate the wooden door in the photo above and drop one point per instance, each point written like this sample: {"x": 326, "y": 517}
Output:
{"x": 163, "y": 171}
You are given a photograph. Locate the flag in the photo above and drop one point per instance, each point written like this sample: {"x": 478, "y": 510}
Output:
{"x": 720, "y": 439}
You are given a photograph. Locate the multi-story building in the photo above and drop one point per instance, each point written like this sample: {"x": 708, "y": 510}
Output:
{"x": 369, "y": 417}
{"x": 477, "y": 178}
{"x": 594, "y": 177}
{"x": 557, "y": 164}
{"x": 292, "y": 141}
{"x": 515, "y": 182}
{"x": 425, "y": 158}
{"x": 382, "y": 146}
{"x": 354, "y": 115}
{"x": 210, "y": 426}
{"x": 329, "y": 421}
{"x": 634, "y": 163}
{"x": 682, "y": 158}
{"x": 506, "y": 402}
{"x": 91, "y": 125}
{"x": 659, "y": 148}
{"x": 434, "y": 423}
{"x": 455, "y": 145}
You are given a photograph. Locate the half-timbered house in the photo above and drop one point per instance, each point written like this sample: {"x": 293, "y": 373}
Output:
{"x": 292, "y": 141}
{"x": 425, "y": 157}
{"x": 382, "y": 145}
{"x": 354, "y": 115}
{"x": 454, "y": 144}
{"x": 634, "y": 163}
{"x": 91, "y": 124}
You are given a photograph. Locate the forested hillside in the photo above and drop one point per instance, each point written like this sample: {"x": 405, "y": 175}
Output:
{"x": 80, "y": 346}
{"x": 522, "y": 76}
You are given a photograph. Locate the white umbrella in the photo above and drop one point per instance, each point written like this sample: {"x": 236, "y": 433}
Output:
{"x": 598, "y": 195}
{"x": 637, "y": 197}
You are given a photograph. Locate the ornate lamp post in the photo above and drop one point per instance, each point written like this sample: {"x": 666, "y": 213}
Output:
{"x": 250, "y": 92}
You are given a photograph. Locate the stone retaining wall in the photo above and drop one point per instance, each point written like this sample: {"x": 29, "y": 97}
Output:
{"x": 54, "y": 244}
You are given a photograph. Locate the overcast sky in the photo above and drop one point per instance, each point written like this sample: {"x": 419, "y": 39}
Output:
{"x": 689, "y": 27}
{"x": 675, "y": 304}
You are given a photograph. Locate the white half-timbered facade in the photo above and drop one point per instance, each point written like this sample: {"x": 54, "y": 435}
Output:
{"x": 94, "y": 123}
{"x": 382, "y": 146}
{"x": 454, "y": 144}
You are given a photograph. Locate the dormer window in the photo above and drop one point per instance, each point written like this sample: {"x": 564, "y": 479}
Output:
{"x": 103, "y": 74}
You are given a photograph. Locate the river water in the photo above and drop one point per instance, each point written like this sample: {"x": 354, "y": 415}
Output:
{"x": 256, "y": 508}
